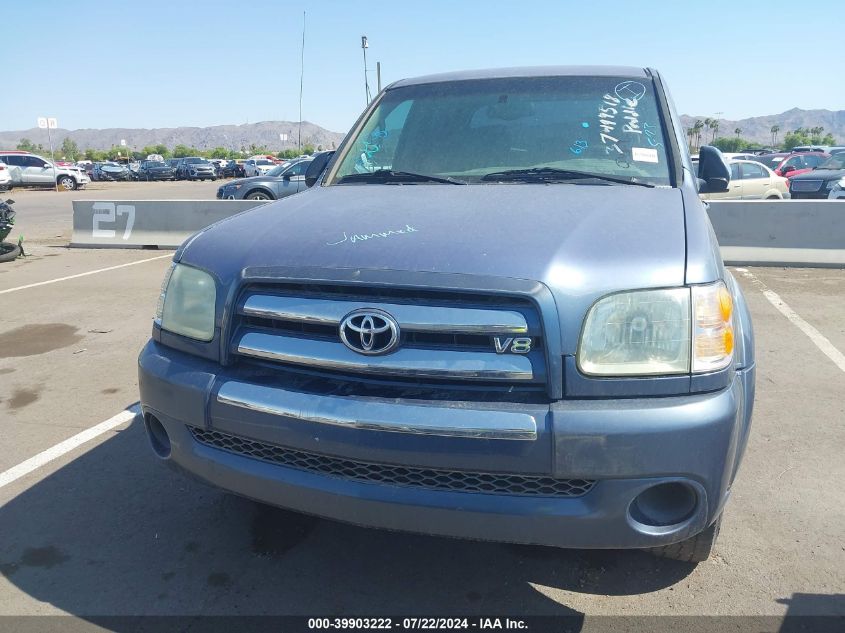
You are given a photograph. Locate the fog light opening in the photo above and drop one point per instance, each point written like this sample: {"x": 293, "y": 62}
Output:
{"x": 159, "y": 440}
{"x": 664, "y": 505}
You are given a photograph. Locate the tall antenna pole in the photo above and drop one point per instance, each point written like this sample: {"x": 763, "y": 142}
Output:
{"x": 301, "y": 78}
{"x": 364, "y": 46}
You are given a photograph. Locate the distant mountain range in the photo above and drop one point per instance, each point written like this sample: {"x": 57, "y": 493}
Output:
{"x": 758, "y": 128}
{"x": 265, "y": 133}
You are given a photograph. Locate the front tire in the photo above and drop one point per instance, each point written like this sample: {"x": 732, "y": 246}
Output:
{"x": 67, "y": 183}
{"x": 9, "y": 252}
{"x": 693, "y": 550}
{"x": 258, "y": 195}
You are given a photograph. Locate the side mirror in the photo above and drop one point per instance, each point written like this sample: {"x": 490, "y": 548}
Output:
{"x": 788, "y": 169}
{"x": 286, "y": 177}
{"x": 317, "y": 167}
{"x": 713, "y": 172}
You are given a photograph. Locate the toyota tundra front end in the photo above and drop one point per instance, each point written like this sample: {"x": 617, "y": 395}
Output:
{"x": 500, "y": 314}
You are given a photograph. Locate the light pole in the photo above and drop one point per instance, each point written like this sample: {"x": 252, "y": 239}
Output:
{"x": 364, "y": 47}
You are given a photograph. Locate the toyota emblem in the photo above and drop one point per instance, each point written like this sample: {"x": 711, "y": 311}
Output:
{"x": 369, "y": 332}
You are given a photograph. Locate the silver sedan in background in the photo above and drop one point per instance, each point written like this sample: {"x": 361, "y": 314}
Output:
{"x": 280, "y": 182}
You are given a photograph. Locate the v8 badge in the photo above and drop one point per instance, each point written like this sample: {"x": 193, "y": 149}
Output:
{"x": 520, "y": 345}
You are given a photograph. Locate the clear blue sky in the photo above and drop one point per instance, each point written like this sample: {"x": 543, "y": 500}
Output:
{"x": 154, "y": 63}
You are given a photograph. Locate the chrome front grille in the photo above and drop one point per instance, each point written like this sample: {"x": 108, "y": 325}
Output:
{"x": 806, "y": 185}
{"x": 391, "y": 474}
{"x": 443, "y": 337}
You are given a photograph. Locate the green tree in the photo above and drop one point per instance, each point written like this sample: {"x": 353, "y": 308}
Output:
{"x": 219, "y": 152}
{"x": 181, "y": 151}
{"x": 696, "y": 132}
{"x": 774, "y": 130}
{"x": 69, "y": 149}
{"x": 287, "y": 153}
{"x": 734, "y": 144}
{"x": 738, "y": 131}
{"x": 94, "y": 155}
{"x": 307, "y": 149}
{"x": 25, "y": 145}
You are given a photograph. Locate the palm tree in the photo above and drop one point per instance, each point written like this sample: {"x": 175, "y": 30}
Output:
{"x": 690, "y": 134}
{"x": 708, "y": 123}
{"x": 714, "y": 125}
{"x": 774, "y": 130}
{"x": 696, "y": 129}
{"x": 737, "y": 131}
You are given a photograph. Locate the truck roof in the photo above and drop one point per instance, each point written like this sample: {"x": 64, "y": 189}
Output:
{"x": 527, "y": 71}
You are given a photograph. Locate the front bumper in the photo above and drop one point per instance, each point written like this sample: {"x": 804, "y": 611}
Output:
{"x": 625, "y": 445}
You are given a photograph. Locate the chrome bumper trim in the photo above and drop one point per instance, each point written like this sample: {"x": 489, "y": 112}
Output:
{"x": 409, "y": 317}
{"x": 379, "y": 416}
{"x": 409, "y": 362}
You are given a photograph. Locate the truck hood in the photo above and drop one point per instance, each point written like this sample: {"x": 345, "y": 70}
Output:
{"x": 582, "y": 239}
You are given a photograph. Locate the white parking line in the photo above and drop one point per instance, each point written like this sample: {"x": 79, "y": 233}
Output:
{"x": 54, "y": 452}
{"x": 90, "y": 272}
{"x": 819, "y": 339}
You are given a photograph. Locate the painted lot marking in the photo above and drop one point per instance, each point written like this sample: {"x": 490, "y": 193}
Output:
{"x": 90, "y": 272}
{"x": 54, "y": 452}
{"x": 819, "y": 340}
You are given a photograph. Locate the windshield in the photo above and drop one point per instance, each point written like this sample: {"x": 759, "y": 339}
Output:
{"x": 466, "y": 130}
{"x": 278, "y": 169}
{"x": 264, "y": 162}
{"x": 837, "y": 161}
{"x": 154, "y": 163}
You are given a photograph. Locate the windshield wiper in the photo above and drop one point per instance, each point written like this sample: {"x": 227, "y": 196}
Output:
{"x": 552, "y": 174}
{"x": 389, "y": 175}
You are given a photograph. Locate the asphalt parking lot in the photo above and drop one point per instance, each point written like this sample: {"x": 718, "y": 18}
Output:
{"x": 105, "y": 529}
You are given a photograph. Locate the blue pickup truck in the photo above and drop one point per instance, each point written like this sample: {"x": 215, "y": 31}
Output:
{"x": 500, "y": 313}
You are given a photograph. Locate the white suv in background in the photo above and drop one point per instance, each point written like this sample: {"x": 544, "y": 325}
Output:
{"x": 257, "y": 166}
{"x": 29, "y": 170}
{"x": 5, "y": 177}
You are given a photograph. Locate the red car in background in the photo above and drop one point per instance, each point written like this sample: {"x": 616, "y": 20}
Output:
{"x": 789, "y": 164}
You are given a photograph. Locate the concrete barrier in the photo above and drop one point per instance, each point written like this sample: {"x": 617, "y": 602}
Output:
{"x": 147, "y": 223}
{"x": 780, "y": 232}
{"x": 754, "y": 232}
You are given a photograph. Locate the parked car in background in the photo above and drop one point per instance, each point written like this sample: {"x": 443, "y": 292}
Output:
{"x": 231, "y": 169}
{"x": 751, "y": 180}
{"x": 30, "y": 170}
{"x": 111, "y": 171}
{"x": 739, "y": 156}
{"x": 789, "y": 164}
{"x": 810, "y": 148}
{"x": 257, "y": 166}
{"x": 155, "y": 170}
{"x": 5, "y": 177}
{"x": 280, "y": 182}
{"x": 825, "y": 181}
{"x": 196, "y": 168}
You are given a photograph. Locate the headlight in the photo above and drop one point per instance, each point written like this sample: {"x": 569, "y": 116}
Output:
{"x": 186, "y": 303}
{"x": 834, "y": 183}
{"x": 637, "y": 333}
{"x": 658, "y": 332}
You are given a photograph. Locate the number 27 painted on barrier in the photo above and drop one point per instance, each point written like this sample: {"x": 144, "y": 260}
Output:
{"x": 107, "y": 212}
